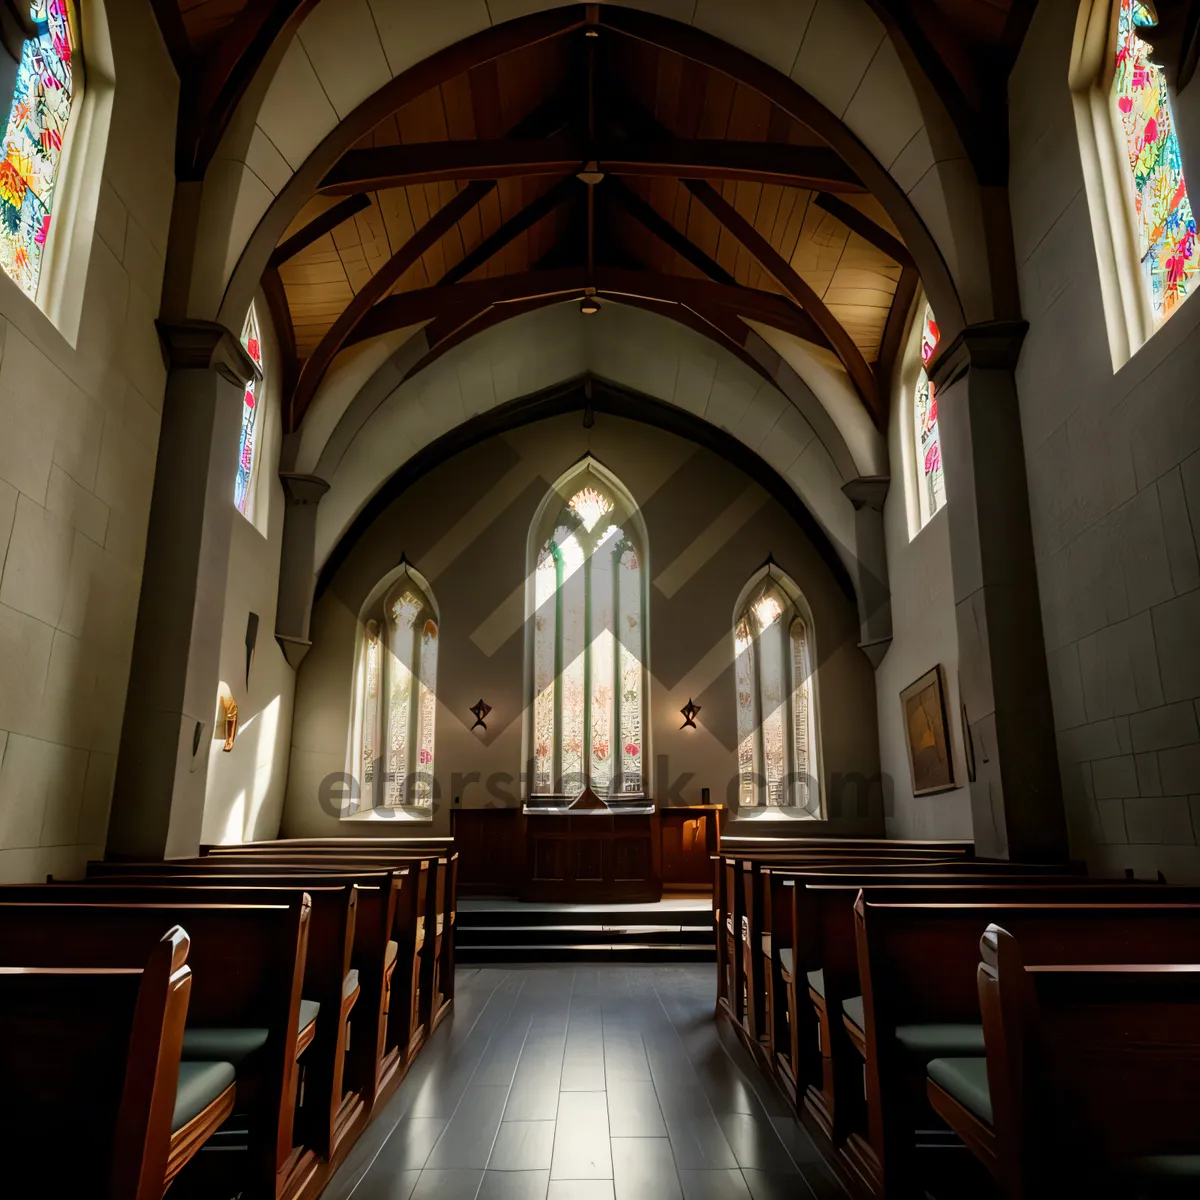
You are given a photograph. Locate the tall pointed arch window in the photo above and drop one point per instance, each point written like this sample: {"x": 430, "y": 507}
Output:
{"x": 397, "y": 697}
{"x": 927, "y": 441}
{"x": 243, "y": 488}
{"x": 47, "y": 88}
{"x": 777, "y": 756}
{"x": 1143, "y": 224}
{"x": 588, "y": 640}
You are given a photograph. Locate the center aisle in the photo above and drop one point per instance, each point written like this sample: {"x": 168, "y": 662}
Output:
{"x": 561, "y": 1083}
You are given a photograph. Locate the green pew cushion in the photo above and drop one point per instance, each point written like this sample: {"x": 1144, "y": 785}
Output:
{"x": 965, "y": 1079}
{"x": 816, "y": 981}
{"x": 200, "y": 1083}
{"x": 853, "y": 1008}
{"x": 209, "y": 1044}
{"x": 785, "y": 958}
{"x": 941, "y": 1041}
{"x": 1164, "y": 1174}
{"x": 350, "y": 984}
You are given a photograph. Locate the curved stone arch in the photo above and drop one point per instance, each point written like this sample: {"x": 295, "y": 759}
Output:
{"x": 634, "y": 349}
{"x": 363, "y": 377}
{"x": 843, "y": 76}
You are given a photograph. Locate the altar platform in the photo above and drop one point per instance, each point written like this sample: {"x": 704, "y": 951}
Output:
{"x": 674, "y": 930}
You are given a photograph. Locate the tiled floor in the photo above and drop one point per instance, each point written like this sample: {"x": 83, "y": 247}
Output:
{"x": 561, "y": 1083}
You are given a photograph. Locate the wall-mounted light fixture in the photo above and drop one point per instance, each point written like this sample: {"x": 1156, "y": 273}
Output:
{"x": 589, "y": 306}
{"x": 689, "y": 711}
{"x": 479, "y": 711}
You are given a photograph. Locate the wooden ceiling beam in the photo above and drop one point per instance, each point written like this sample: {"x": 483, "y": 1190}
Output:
{"x": 858, "y": 222}
{"x": 318, "y": 227}
{"x": 507, "y": 158}
{"x": 455, "y": 305}
{"x": 377, "y": 287}
{"x": 529, "y": 216}
{"x": 787, "y": 277}
{"x": 647, "y": 215}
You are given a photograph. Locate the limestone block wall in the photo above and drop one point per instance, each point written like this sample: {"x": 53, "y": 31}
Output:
{"x": 78, "y": 431}
{"x": 1114, "y": 478}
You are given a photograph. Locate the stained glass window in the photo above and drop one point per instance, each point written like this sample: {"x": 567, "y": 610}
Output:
{"x": 399, "y": 697}
{"x": 588, "y": 631}
{"x": 46, "y": 88}
{"x": 1163, "y": 218}
{"x": 250, "y": 407}
{"x": 931, "y": 484}
{"x": 776, "y": 751}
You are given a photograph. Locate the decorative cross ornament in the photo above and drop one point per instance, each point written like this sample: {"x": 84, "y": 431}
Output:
{"x": 479, "y": 711}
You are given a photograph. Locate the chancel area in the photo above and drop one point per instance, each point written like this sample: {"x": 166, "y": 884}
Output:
{"x": 599, "y": 601}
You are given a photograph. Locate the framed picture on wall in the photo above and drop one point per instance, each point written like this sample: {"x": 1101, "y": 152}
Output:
{"x": 928, "y": 733}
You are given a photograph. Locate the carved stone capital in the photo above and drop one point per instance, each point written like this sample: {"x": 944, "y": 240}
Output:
{"x": 207, "y": 346}
{"x": 988, "y": 346}
{"x": 867, "y": 491}
{"x": 302, "y": 489}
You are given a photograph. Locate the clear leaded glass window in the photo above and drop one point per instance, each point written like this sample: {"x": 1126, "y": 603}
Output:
{"x": 589, "y": 641}
{"x": 931, "y": 485}
{"x": 1162, "y": 212}
{"x": 398, "y": 697}
{"x": 47, "y": 86}
{"x": 776, "y": 753}
{"x": 247, "y": 445}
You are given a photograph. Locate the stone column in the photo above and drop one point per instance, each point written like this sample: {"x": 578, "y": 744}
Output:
{"x": 1016, "y": 796}
{"x": 867, "y": 493}
{"x": 158, "y": 800}
{"x": 293, "y": 611}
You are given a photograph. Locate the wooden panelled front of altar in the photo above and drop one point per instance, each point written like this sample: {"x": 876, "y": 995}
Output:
{"x": 589, "y": 857}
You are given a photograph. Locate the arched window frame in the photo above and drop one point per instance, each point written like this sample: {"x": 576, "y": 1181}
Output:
{"x": 1131, "y": 314}
{"x": 250, "y": 430}
{"x": 393, "y": 733}
{"x": 551, "y": 773}
{"x": 52, "y": 63}
{"x": 793, "y": 785}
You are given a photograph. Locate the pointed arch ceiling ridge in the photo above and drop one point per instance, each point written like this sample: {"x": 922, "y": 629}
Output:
{"x": 489, "y": 44}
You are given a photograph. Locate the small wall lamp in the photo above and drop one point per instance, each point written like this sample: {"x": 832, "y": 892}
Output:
{"x": 479, "y": 711}
{"x": 689, "y": 711}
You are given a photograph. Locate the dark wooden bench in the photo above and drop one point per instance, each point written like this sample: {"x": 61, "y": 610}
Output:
{"x": 1092, "y": 1067}
{"x": 394, "y": 968}
{"x": 918, "y": 959}
{"x": 91, "y": 1054}
{"x": 246, "y": 1009}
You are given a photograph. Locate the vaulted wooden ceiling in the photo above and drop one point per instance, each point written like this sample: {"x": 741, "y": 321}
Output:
{"x": 591, "y": 163}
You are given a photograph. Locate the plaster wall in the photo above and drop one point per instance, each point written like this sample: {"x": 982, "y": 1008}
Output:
{"x": 245, "y": 786}
{"x": 1114, "y": 477}
{"x": 78, "y": 432}
{"x": 464, "y": 526}
{"x": 924, "y": 629}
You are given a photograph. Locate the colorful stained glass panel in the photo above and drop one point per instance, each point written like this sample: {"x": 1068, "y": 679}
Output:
{"x": 33, "y": 142}
{"x": 1163, "y": 219}
{"x": 743, "y": 645}
{"x": 545, "y": 638}
{"x": 246, "y": 438}
{"x": 931, "y": 481}
{"x": 629, "y": 628}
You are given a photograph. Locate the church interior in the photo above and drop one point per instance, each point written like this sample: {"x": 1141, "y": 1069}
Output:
{"x": 600, "y": 601}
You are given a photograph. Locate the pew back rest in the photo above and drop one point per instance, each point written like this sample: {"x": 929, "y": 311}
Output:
{"x": 89, "y": 1062}
{"x": 918, "y": 957}
{"x": 1109, "y": 1049}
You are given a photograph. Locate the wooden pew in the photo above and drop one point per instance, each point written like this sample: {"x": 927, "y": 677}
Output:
{"x": 1092, "y": 1067}
{"x": 918, "y": 958}
{"x": 439, "y": 844}
{"x": 248, "y": 966}
{"x": 333, "y": 1115}
{"x": 389, "y": 954}
{"x": 93, "y": 1054}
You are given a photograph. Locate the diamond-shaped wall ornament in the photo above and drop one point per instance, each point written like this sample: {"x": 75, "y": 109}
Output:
{"x": 689, "y": 711}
